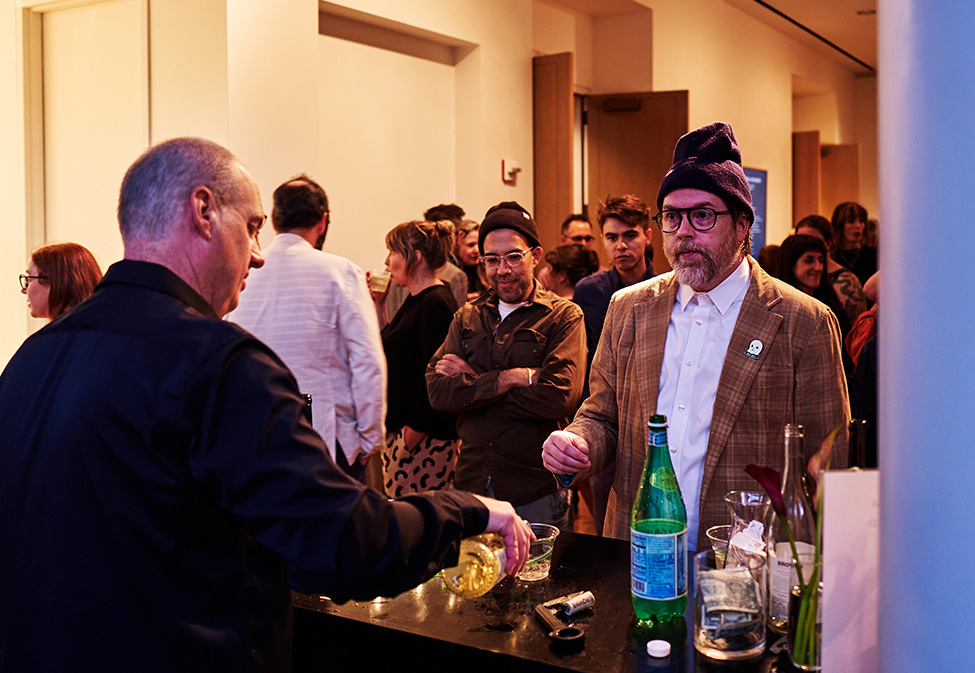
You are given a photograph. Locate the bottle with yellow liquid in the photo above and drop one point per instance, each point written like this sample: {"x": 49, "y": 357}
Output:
{"x": 479, "y": 568}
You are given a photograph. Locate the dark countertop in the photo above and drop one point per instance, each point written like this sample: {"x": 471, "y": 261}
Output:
{"x": 499, "y": 631}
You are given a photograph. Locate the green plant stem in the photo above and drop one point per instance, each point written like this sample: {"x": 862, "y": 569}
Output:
{"x": 806, "y": 643}
{"x": 795, "y": 552}
{"x": 800, "y": 644}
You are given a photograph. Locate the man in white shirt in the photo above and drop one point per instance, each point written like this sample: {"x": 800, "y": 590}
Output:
{"x": 727, "y": 353}
{"x": 313, "y": 309}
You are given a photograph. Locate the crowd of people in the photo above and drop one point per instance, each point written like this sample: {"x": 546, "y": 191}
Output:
{"x": 199, "y": 479}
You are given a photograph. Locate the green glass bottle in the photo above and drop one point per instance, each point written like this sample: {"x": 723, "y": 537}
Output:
{"x": 658, "y": 536}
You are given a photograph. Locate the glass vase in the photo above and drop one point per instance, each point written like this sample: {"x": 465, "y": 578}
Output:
{"x": 804, "y": 640}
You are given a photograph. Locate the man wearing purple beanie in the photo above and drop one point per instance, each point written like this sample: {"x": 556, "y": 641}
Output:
{"x": 726, "y": 352}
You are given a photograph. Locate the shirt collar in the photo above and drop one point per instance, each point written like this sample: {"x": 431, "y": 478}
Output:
{"x": 725, "y": 294}
{"x": 617, "y": 281}
{"x": 159, "y": 278}
{"x": 289, "y": 238}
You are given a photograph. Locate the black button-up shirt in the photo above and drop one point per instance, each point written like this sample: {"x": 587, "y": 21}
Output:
{"x": 159, "y": 489}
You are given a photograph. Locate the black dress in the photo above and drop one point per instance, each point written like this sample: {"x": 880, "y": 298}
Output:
{"x": 862, "y": 262}
{"x": 410, "y": 339}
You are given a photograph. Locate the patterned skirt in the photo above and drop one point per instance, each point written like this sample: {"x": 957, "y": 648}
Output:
{"x": 428, "y": 466}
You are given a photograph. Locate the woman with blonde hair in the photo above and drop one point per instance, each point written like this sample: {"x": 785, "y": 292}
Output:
{"x": 421, "y": 442}
{"x": 59, "y": 276}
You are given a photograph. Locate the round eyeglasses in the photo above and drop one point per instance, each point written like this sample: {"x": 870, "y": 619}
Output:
{"x": 513, "y": 259}
{"x": 25, "y": 280}
{"x": 701, "y": 219}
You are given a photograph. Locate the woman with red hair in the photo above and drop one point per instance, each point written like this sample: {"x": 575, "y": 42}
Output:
{"x": 59, "y": 276}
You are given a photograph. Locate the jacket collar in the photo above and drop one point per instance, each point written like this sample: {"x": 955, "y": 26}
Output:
{"x": 156, "y": 277}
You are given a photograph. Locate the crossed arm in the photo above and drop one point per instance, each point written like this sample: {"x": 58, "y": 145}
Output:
{"x": 551, "y": 390}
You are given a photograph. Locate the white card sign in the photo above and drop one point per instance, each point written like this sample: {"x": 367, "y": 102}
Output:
{"x": 851, "y": 551}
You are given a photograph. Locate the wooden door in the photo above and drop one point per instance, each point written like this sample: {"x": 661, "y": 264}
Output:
{"x": 806, "y": 181}
{"x": 631, "y": 147}
{"x": 841, "y": 176}
{"x": 552, "y": 145}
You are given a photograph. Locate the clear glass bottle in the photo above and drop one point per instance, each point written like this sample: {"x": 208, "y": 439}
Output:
{"x": 479, "y": 568}
{"x": 658, "y": 535}
{"x": 782, "y": 575}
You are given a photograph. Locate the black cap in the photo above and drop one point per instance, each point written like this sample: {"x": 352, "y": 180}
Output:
{"x": 508, "y": 215}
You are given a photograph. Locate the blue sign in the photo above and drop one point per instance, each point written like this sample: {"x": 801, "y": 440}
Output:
{"x": 757, "y": 183}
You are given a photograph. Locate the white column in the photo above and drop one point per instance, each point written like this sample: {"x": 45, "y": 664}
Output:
{"x": 927, "y": 359}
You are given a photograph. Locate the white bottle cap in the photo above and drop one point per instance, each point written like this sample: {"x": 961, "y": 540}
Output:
{"x": 658, "y": 648}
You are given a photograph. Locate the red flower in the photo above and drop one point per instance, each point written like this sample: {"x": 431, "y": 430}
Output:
{"x": 771, "y": 481}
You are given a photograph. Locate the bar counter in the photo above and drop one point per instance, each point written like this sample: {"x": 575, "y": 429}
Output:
{"x": 430, "y": 629}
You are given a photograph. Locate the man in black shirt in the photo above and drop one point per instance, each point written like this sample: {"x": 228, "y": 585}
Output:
{"x": 159, "y": 488}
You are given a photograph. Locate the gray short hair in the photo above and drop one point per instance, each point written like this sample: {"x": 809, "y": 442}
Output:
{"x": 157, "y": 186}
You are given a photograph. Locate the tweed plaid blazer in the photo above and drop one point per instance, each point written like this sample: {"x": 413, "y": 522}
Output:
{"x": 796, "y": 378}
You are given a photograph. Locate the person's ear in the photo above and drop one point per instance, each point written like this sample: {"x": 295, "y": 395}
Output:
{"x": 203, "y": 208}
{"x": 742, "y": 225}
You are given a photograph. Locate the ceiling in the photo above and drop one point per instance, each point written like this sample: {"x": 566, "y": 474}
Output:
{"x": 843, "y": 29}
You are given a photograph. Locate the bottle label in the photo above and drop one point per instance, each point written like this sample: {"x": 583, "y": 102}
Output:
{"x": 783, "y": 576}
{"x": 658, "y": 565}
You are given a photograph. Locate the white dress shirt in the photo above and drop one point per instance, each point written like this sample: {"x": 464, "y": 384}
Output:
{"x": 313, "y": 309}
{"x": 700, "y": 329}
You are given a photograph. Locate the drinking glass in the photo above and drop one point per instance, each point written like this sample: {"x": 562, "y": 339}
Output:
{"x": 540, "y": 555}
{"x": 729, "y": 608}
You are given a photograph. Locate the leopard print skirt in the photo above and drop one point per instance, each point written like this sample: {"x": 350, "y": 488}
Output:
{"x": 428, "y": 466}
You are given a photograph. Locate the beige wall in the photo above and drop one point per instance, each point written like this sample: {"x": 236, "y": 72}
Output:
{"x": 95, "y": 86}
{"x": 254, "y": 80}
{"x": 623, "y": 53}
{"x": 741, "y": 73}
{"x": 272, "y": 95}
{"x": 866, "y": 137}
{"x": 388, "y": 148}
{"x": 387, "y": 152}
{"x": 817, "y": 112}
{"x": 189, "y": 87}
{"x": 555, "y": 30}
{"x": 738, "y": 70}
{"x": 13, "y": 252}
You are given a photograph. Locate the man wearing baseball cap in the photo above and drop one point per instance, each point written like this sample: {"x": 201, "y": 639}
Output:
{"x": 726, "y": 352}
{"x": 512, "y": 367}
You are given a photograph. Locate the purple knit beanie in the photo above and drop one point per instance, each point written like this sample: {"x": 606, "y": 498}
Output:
{"x": 708, "y": 159}
{"x": 508, "y": 215}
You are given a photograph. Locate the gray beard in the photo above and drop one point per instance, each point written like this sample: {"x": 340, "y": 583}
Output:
{"x": 696, "y": 275}
{"x": 705, "y": 272}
